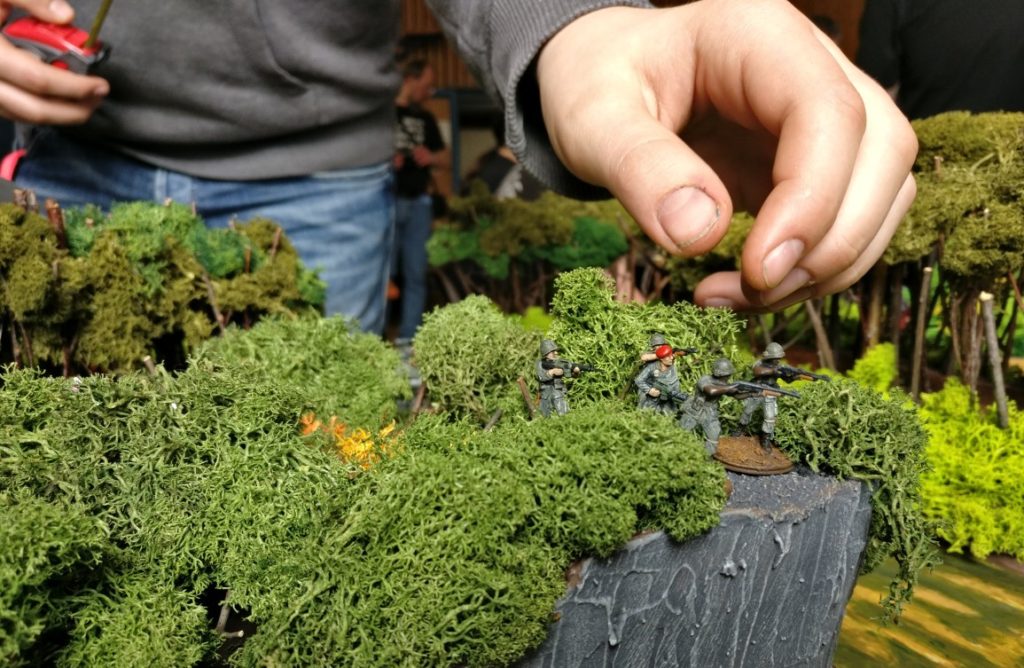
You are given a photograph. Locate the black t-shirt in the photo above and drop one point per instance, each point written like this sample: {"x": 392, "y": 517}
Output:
{"x": 416, "y": 127}
{"x": 946, "y": 55}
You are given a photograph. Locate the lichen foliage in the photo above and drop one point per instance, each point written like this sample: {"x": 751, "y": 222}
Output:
{"x": 343, "y": 371}
{"x": 137, "y": 282}
{"x": 975, "y": 488}
{"x": 493, "y": 233}
{"x": 450, "y": 550}
{"x": 844, "y": 429}
{"x": 591, "y": 326}
{"x": 470, "y": 356}
{"x": 969, "y": 172}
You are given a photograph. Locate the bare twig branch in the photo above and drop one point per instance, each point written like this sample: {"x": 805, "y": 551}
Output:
{"x": 995, "y": 360}
{"x": 212, "y": 295}
{"x": 56, "y": 217}
{"x": 527, "y": 399}
{"x": 917, "y": 361}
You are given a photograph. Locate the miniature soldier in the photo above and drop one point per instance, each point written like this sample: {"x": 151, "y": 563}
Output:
{"x": 702, "y": 408}
{"x": 551, "y": 375}
{"x": 658, "y": 383}
{"x": 767, "y": 372}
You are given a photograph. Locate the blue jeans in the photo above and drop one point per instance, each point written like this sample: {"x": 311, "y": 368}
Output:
{"x": 340, "y": 222}
{"x": 413, "y": 219}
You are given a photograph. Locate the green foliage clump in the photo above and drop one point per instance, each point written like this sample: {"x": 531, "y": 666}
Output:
{"x": 876, "y": 369}
{"x": 140, "y": 621}
{"x": 43, "y": 545}
{"x": 492, "y": 234}
{"x": 450, "y": 552}
{"x": 134, "y": 283}
{"x": 594, "y": 243}
{"x": 456, "y": 552}
{"x": 975, "y": 488}
{"x": 470, "y": 355}
{"x": 969, "y": 172}
{"x": 850, "y": 431}
{"x": 341, "y": 370}
{"x": 590, "y": 326}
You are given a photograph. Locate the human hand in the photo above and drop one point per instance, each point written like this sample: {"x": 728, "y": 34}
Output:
{"x": 772, "y": 118}
{"x": 422, "y": 156}
{"x": 34, "y": 92}
{"x": 556, "y": 372}
{"x": 654, "y": 392}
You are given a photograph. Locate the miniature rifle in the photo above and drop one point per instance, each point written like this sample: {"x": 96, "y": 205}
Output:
{"x": 746, "y": 388}
{"x": 789, "y": 374}
{"x": 679, "y": 352}
{"x": 668, "y": 394}
{"x": 565, "y": 365}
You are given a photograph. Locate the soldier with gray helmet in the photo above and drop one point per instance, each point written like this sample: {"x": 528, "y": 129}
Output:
{"x": 768, "y": 371}
{"x": 702, "y": 408}
{"x": 551, "y": 375}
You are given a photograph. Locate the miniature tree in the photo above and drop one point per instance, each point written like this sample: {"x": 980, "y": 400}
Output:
{"x": 969, "y": 172}
{"x": 512, "y": 249}
{"x": 88, "y": 292}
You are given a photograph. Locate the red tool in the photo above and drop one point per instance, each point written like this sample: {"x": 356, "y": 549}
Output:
{"x": 66, "y": 47}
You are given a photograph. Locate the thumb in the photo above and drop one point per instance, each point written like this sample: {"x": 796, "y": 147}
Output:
{"x": 674, "y": 195}
{"x": 53, "y": 11}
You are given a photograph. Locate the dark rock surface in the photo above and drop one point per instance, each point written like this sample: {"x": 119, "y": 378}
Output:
{"x": 767, "y": 587}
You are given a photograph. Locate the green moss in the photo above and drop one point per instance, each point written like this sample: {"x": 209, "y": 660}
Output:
{"x": 470, "y": 355}
{"x": 340, "y": 370}
{"x": 975, "y": 488}
{"x": 590, "y": 326}
{"x": 847, "y": 430}
{"x": 876, "y": 369}
{"x": 133, "y": 283}
{"x": 566, "y": 234}
{"x": 42, "y": 546}
{"x": 452, "y": 552}
{"x": 969, "y": 172}
{"x": 138, "y": 621}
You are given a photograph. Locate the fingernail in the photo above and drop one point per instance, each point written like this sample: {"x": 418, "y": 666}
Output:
{"x": 101, "y": 90}
{"x": 687, "y": 215}
{"x": 794, "y": 280}
{"x": 719, "y": 302}
{"x": 779, "y": 262}
{"x": 61, "y": 9}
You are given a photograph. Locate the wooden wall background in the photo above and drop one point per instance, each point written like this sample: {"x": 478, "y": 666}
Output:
{"x": 426, "y": 39}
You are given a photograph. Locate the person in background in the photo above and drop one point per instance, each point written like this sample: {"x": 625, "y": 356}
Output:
{"x": 499, "y": 170}
{"x": 419, "y": 148}
{"x": 945, "y": 55}
{"x": 285, "y": 108}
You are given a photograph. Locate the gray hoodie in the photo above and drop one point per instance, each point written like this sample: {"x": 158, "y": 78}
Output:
{"x": 253, "y": 89}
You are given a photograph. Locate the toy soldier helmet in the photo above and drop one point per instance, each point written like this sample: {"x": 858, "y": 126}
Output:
{"x": 773, "y": 352}
{"x": 663, "y": 351}
{"x": 722, "y": 368}
{"x": 657, "y": 340}
{"x": 547, "y": 346}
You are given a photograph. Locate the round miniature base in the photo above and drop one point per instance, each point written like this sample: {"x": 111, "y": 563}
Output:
{"x": 744, "y": 454}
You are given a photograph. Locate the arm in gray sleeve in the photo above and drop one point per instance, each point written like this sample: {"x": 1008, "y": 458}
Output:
{"x": 500, "y": 40}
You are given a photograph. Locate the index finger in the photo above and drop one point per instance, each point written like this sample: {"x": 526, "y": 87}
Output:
{"x": 795, "y": 90}
{"x": 27, "y": 72}
{"x": 54, "y": 11}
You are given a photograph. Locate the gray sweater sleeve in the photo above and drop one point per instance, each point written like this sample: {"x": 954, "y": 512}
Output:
{"x": 500, "y": 40}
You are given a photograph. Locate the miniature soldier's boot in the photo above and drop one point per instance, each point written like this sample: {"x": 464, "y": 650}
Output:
{"x": 766, "y": 442}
